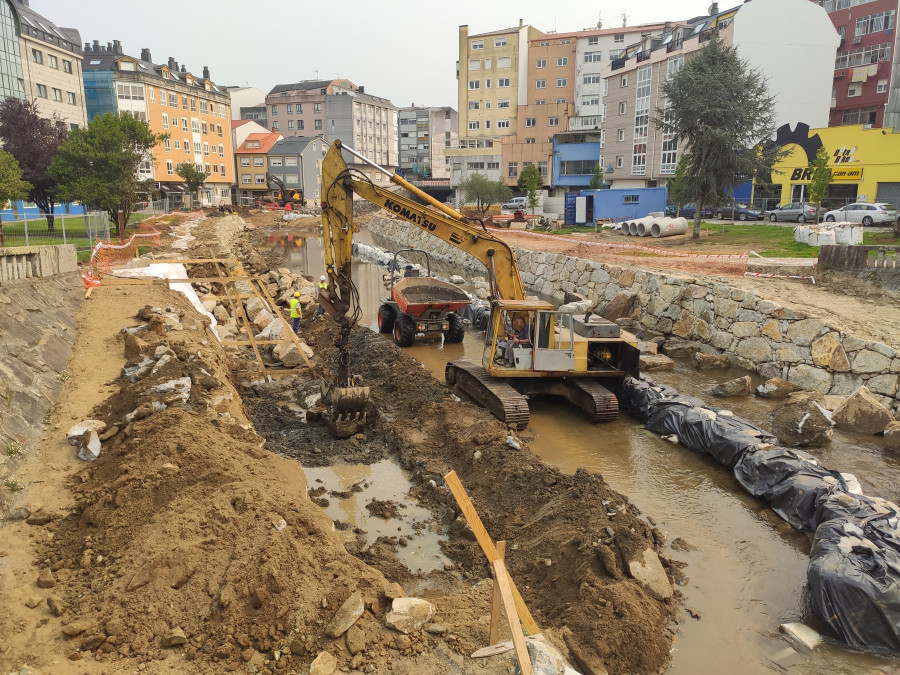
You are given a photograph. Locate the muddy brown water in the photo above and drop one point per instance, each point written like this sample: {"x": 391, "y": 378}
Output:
{"x": 748, "y": 574}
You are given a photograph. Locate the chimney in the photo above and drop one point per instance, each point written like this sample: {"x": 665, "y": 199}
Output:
{"x": 521, "y": 23}
{"x": 87, "y": 47}
{"x": 96, "y": 47}
{"x": 205, "y": 72}
{"x": 667, "y": 26}
{"x": 118, "y": 46}
{"x": 183, "y": 69}
{"x": 145, "y": 55}
{"x": 109, "y": 47}
{"x": 362, "y": 89}
{"x": 172, "y": 65}
{"x": 714, "y": 9}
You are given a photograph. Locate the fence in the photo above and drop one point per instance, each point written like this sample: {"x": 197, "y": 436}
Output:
{"x": 875, "y": 258}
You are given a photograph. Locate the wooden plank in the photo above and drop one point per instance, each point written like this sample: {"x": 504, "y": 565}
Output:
{"x": 484, "y": 540}
{"x": 509, "y": 606}
{"x": 237, "y": 309}
{"x": 495, "y": 601}
{"x": 502, "y": 647}
{"x": 87, "y": 294}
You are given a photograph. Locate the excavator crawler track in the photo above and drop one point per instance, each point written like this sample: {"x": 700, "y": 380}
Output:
{"x": 507, "y": 404}
{"x": 600, "y": 404}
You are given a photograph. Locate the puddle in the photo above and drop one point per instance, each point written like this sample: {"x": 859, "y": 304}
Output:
{"x": 384, "y": 481}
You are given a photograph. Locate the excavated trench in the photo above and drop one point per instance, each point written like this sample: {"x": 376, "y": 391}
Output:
{"x": 741, "y": 570}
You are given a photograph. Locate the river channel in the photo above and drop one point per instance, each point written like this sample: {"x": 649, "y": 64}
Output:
{"x": 748, "y": 572}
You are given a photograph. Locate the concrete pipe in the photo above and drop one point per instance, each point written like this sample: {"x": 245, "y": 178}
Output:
{"x": 632, "y": 228}
{"x": 643, "y": 226}
{"x": 624, "y": 229}
{"x": 669, "y": 227}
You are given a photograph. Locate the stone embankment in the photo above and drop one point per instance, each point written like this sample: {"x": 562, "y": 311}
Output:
{"x": 757, "y": 334}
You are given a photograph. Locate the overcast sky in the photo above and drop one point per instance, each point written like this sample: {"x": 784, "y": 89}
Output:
{"x": 405, "y": 51}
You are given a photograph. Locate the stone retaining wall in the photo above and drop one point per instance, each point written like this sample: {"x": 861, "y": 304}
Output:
{"x": 35, "y": 262}
{"x": 812, "y": 352}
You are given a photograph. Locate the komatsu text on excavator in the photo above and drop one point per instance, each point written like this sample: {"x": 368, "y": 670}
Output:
{"x": 564, "y": 354}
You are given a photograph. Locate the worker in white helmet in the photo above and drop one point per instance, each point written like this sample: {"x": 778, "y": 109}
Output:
{"x": 323, "y": 288}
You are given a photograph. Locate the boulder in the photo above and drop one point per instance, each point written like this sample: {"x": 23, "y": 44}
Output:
{"x": 704, "y": 361}
{"x": 769, "y": 370}
{"x": 833, "y": 402}
{"x": 860, "y": 412}
{"x": 648, "y": 347}
{"x": 76, "y": 432}
{"x": 649, "y": 572}
{"x": 134, "y": 348}
{"x": 678, "y": 348}
{"x": 263, "y": 319}
{"x": 619, "y": 307}
{"x": 323, "y": 664}
{"x": 827, "y": 352}
{"x": 546, "y": 659}
{"x": 892, "y": 436}
{"x": 175, "y": 638}
{"x": 777, "y": 388}
{"x": 651, "y": 362}
{"x": 356, "y": 640}
{"x": 409, "y": 614}
{"x": 810, "y": 377}
{"x": 739, "y": 386}
{"x": 346, "y": 616}
{"x": 458, "y": 280}
{"x": 221, "y": 314}
{"x": 288, "y": 354}
{"x": 802, "y": 421}
{"x": 89, "y": 446}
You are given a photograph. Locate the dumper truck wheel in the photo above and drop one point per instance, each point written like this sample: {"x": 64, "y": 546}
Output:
{"x": 457, "y": 330}
{"x": 404, "y": 331}
{"x": 386, "y": 318}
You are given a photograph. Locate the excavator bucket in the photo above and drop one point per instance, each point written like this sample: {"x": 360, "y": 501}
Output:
{"x": 347, "y": 413}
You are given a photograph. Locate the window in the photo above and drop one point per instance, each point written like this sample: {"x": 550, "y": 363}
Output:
{"x": 184, "y": 102}
{"x": 67, "y": 66}
{"x": 565, "y": 42}
{"x": 577, "y": 167}
{"x": 168, "y": 145}
{"x": 203, "y": 106}
{"x": 184, "y": 123}
{"x": 475, "y": 166}
{"x": 274, "y": 161}
{"x": 177, "y": 144}
{"x": 615, "y": 54}
{"x": 560, "y": 82}
{"x": 544, "y": 44}
{"x": 487, "y": 124}
{"x": 245, "y": 161}
{"x": 512, "y": 169}
{"x": 621, "y": 135}
{"x": 553, "y": 122}
{"x": 673, "y": 65}
{"x": 529, "y": 141}
{"x": 500, "y": 42}
{"x": 542, "y": 168}
{"x": 540, "y": 101}
{"x": 562, "y": 61}
{"x": 290, "y": 161}
{"x": 474, "y": 84}
{"x": 503, "y": 62}
{"x": 300, "y": 125}
{"x": 863, "y": 56}
{"x": 590, "y": 100}
{"x": 57, "y": 94}
{"x": 259, "y": 161}
{"x": 245, "y": 178}
{"x": 187, "y": 146}
{"x": 212, "y": 109}
{"x": 874, "y": 23}
{"x": 641, "y": 121}
{"x": 292, "y": 178}
{"x": 592, "y": 79}
{"x": 290, "y": 108}
{"x": 474, "y": 64}
{"x": 530, "y": 122}
{"x": 173, "y": 99}
{"x": 854, "y": 90}
{"x": 540, "y": 84}
{"x": 631, "y": 199}
{"x": 165, "y": 121}
{"x": 493, "y": 166}
{"x": 881, "y": 87}
{"x": 624, "y": 82}
{"x": 502, "y": 82}
{"x": 474, "y": 105}
{"x": 218, "y": 130}
{"x": 541, "y": 63}
{"x": 170, "y": 168}
{"x": 215, "y": 168}
{"x": 221, "y": 150}
{"x": 195, "y": 126}
{"x": 503, "y": 124}
{"x": 42, "y": 91}
{"x": 593, "y": 41}
{"x": 318, "y": 124}
{"x": 290, "y": 124}
{"x": 317, "y": 107}
{"x": 487, "y": 64}
{"x": 274, "y": 126}
{"x": 52, "y": 62}
{"x": 274, "y": 109}
{"x": 477, "y": 44}
{"x": 203, "y": 126}
{"x": 487, "y": 83}
{"x": 474, "y": 125}
{"x": 623, "y": 108}
{"x": 619, "y": 37}
{"x": 260, "y": 179}
{"x": 37, "y": 56}
{"x": 193, "y": 105}
{"x": 502, "y": 102}
{"x": 593, "y": 57}
{"x": 620, "y": 162}
{"x": 152, "y": 91}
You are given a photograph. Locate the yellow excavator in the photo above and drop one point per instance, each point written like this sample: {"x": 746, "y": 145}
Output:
{"x": 560, "y": 354}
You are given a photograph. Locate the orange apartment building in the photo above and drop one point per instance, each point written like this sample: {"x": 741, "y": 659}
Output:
{"x": 193, "y": 111}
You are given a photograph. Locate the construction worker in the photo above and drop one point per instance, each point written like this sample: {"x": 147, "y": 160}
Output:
{"x": 296, "y": 310}
{"x": 323, "y": 286}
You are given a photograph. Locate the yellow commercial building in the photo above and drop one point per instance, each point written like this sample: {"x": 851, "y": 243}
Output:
{"x": 865, "y": 164}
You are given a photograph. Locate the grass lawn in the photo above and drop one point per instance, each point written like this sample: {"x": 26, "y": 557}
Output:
{"x": 76, "y": 229}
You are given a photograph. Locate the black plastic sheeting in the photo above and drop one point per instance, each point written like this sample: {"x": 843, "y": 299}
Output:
{"x": 854, "y": 571}
{"x": 479, "y": 314}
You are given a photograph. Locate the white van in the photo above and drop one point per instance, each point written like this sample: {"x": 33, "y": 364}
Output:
{"x": 515, "y": 204}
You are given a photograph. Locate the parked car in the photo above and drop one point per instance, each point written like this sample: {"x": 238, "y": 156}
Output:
{"x": 689, "y": 210}
{"x": 795, "y": 212}
{"x": 516, "y": 204}
{"x": 867, "y": 214}
{"x": 739, "y": 211}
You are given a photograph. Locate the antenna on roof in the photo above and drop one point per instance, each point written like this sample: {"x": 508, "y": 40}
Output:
{"x": 317, "y": 74}
{"x": 599, "y": 20}
{"x": 624, "y": 20}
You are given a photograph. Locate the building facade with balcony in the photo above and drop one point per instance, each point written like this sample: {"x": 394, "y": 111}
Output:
{"x": 297, "y": 163}
{"x": 12, "y": 78}
{"x": 193, "y": 111}
{"x": 252, "y": 166}
{"x": 424, "y": 134}
{"x": 863, "y": 68}
{"x": 637, "y": 154}
{"x": 50, "y": 67}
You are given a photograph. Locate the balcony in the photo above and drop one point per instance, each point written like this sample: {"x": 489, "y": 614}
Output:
{"x": 674, "y": 46}
{"x": 643, "y": 56}
{"x": 618, "y": 63}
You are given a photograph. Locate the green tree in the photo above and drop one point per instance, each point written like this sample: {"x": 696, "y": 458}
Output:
{"x": 477, "y": 189}
{"x": 597, "y": 181}
{"x": 531, "y": 181}
{"x": 34, "y": 142}
{"x": 192, "y": 176}
{"x": 12, "y": 187}
{"x": 722, "y": 111}
{"x": 678, "y": 186}
{"x": 99, "y": 165}
{"x": 821, "y": 179}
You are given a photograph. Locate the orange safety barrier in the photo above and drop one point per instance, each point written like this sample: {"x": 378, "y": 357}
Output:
{"x": 107, "y": 255}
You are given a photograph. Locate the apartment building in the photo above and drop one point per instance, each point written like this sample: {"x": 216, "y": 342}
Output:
{"x": 796, "y": 64}
{"x": 297, "y": 163}
{"x": 12, "y": 78}
{"x": 50, "y": 66}
{"x": 337, "y": 109}
{"x": 862, "y": 92}
{"x": 240, "y": 129}
{"x": 491, "y": 78}
{"x": 252, "y": 165}
{"x": 192, "y": 110}
{"x": 424, "y": 135}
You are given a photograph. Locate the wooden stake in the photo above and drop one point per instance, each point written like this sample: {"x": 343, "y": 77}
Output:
{"x": 495, "y": 601}
{"x": 484, "y": 540}
{"x": 509, "y": 606}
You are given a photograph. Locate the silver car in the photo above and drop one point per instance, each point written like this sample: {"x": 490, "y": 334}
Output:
{"x": 867, "y": 214}
{"x": 795, "y": 212}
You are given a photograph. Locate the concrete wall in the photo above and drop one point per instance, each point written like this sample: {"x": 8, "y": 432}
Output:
{"x": 32, "y": 262}
{"x": 813, "y": 352}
